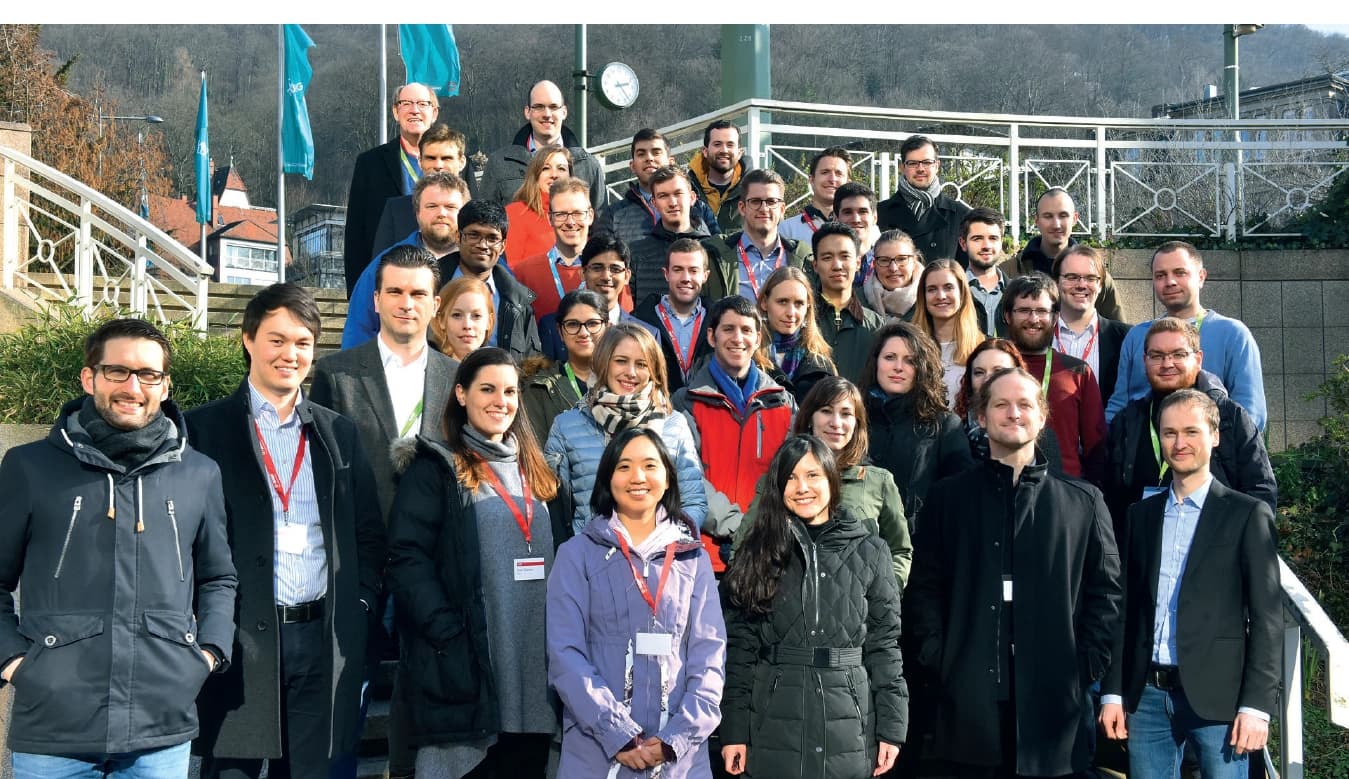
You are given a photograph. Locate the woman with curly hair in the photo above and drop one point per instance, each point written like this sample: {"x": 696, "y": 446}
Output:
{"x": 948, "y": 316}
{"x": 530, "y": 231}
{"x": 799, "y": 354}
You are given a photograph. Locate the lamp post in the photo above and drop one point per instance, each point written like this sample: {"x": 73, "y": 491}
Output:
{"x": 1232, "y": 97}
{"x": 147, "y": 118}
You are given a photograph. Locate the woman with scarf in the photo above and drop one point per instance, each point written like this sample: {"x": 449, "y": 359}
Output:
{"x": 892, "y": 288}
{"x": 550, "y": 389}
{"x": 472, "y": 536}
{"x": 531, "y": 232}
{"x": 636, "y": 641}
{"x": 628, "y": 390}
{"x": 798, "y": 353}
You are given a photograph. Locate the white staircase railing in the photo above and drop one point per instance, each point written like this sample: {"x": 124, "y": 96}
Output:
{"x": 98, "y": 252}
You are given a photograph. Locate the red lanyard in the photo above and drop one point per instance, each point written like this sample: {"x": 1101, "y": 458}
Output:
{"x": 805, "y": 217}
{"x": 523, "y": 519}
{"x": 641, "y": 581}
{"x": 283, "y": 493}
{"x": 685, "y": 360}
{"x": 749, "y": 269}
{"x": 1091, "y": 343}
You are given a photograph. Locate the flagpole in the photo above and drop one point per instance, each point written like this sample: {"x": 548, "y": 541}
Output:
{"x": 383, "y": 86}
{"x": 280, "y": 152}
{"x": 209, "y": 210}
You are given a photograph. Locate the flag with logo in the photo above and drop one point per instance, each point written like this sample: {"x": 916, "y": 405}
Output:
{"x": 203, "y": 159}
{"x": 430, "y": 56}
{"x": 297, "y": 140}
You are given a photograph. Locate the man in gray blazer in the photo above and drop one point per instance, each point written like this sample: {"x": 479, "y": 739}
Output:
{"x": 392, "y": 386}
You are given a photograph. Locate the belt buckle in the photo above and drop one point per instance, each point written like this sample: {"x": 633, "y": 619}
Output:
{"x": 822, "y": 657}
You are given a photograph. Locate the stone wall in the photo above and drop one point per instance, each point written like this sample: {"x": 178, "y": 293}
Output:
{"x": 1296, "y": 303}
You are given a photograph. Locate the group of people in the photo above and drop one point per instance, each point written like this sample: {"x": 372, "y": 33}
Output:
{"x": 659, "y": 480}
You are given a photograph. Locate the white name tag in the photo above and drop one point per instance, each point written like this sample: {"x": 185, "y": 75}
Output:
{"x": 1006, "y": 589}
{"x": 1148, "y": 492}
{"x": 529, "y": 569}
{"x": 658, "y": 644}
{"x": 292, "y": 539}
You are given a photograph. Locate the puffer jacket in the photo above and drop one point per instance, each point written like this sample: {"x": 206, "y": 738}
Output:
{"x": 800, "y": 712}
{"x": 631, "y": 218}
{"x": 609, "y": 692}
{"x": 126, "y": 575}
{"x": 576, "y": 442}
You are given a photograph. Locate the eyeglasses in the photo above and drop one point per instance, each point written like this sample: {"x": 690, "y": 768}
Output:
{"x": 551, "y": 108}
{"x": 422, "y": 104}
{"x": 1033, "y": 313}
{"x": 912, "y": 164}
{"x": 592, "y": 326}
{"x": 1180, "y": 355}
{"x": 562, "y": 217}
{"x": 475, "y": 238}
{"x": 893, "y": 262}
{"x": 764, "y": 202}
{"x": 120, "y": 373}
{"x": 612, "y": 270}
{"x": 1073, "y": 278}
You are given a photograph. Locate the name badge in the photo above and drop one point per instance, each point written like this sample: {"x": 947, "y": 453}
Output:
{"x": 529, "y": 569}
{"x": 1006, "y": 589}
{"x": 292, "y": 539}
{"x": 657, "y": 644}
{"x": 1148, "y": 492}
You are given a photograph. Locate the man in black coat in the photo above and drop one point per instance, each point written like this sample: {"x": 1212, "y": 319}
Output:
{"x": 1013, "y": 598}
{"x": 1202, "y": 559}
{"x": 386, "y": 171}
{"x": 305, "y": 530}
{"x": 1082, "y": 331}
{"x": 919, "y": 207}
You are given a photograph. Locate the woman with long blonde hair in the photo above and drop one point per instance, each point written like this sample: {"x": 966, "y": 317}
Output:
{"x": 947, "y": 315}
{"x": 797, "y": 351}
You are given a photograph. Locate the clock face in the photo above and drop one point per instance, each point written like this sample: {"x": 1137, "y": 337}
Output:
{"x": 618, "y": 85}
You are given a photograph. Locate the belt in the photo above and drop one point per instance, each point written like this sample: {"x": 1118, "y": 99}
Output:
{"x": 1164, "y": 677}
{"x": 304, "y": 612}
{"x": 817, "y": 657}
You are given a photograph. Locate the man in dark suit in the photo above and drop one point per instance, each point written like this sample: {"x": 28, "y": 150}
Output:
{"x": 305, "y": 531}
{"x": 386, "y": 171}
{"x": 1081, "y": 331}
{"x": 392, "y": 386}
{"x": 919, "y": 207}
{"x": 1197, "y": 658}
{"x": 440, "y": 149}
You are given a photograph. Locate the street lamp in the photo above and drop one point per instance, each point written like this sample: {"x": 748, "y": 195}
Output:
{"x": 1231, "y": 74}
{"x": 147, "y": 118}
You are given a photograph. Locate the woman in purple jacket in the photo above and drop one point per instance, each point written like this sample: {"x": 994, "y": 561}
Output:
{"x": 636, "y": 640}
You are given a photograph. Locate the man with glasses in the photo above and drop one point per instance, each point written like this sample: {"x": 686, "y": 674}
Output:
{"x": 919, "y": 207}
{"x": 545, "y": 111}
{"x": 386, "y": 171}
{"x": 1030, "y": 308}
{"x": 1136, "y": 469}
{"x": 981, "y": 241}
{"x": 739, "y": 263}
{"x": 115, "y": 528}
{"x": 1082, "y": 331}
{"x": 557, "y": 271}
{"x": 606, "y": 267}
{"x": 436, "y": 201}
{"x": 1055, "y": 217}
{"x": 673, "y": 198}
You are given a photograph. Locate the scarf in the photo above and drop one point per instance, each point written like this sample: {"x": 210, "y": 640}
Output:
{"x": 615, "y": 413}
{"x": 788, "y": 352}
{"x": 920, "y": 200}
{"x": 127, "y": 448}
{"x": 739, "y": 396}
{"x": 895, "y": 302}
{"x": 503, "y": 451}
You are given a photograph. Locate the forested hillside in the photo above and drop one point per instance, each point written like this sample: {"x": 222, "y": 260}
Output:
{"x": 1069, "y": 69}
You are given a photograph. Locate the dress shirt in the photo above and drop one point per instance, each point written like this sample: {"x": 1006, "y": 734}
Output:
{"x": 406, "y": 384}
{"x": 762, "y": 265}
{"x": 1075, "y": 344}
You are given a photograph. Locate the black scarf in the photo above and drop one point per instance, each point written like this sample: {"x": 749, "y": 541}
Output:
{"x": 127, "y": 448}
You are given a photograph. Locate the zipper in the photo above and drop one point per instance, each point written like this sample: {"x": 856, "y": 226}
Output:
{"x": 758, "y": 444}
{"x": 852, "y": 688}
{"x": 177, "y": 544}
{"x": 70, "y": 531}
{"x": 815, "y": 574}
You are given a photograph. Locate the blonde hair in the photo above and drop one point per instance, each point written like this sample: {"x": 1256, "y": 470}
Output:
{"x": 655, "y": 360}
{"x": 811, "y": 339}
{"x": 967, "y": 335}
{"x": 451, "y": 292}
{"x": 529, "y": 192}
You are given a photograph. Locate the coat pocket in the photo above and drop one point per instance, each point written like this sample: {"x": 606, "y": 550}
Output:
{"x": 62, "y": 684}
{"x": 169, "y": 673}
{"x": 447, "y": 673}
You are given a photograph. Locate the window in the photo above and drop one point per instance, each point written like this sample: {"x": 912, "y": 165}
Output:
{"x": 247, "y": 257}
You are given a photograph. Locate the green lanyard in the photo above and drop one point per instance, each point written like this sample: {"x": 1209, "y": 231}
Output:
{"x": 1162, "y": 465}
{"x": 1044, "y": 382}
{"x": 1199, "y": 322}
{"x": 413, "y": 171}
{"x": 412, "y": 418}
{"x": 576, "y": 385}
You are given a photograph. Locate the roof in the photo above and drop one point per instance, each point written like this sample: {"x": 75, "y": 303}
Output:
{"x": 178, "y": 218}
{"x": 226, "y": 178}
{"x": 1323, "y": 81}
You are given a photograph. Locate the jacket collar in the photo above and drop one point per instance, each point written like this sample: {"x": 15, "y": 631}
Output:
{"x": 83, "y": 450}
{"x": 568, "y": 137}
{"x": 602, "y": 534}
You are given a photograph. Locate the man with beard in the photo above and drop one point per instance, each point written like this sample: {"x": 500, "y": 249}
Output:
{"x": 1030, "y": 306}
{"x": 829, "y": 170}
{"x": 437, "y": 201}
{"x": 673, "y": 197}
{"x": 918, "y": 207}
{"x": 442, "y": 149}
{"x": 716, "y": 172}
{"x": 739, "y": 262}
{"x": 1055, "y": 216}
{"x": 1082, "y": 331}
{"x": 632, "y": 217}
{"x": 892, "y": 290}
{"x": 1013, "y": 599}
{"x": 1136, "y": 468}
{"x": 981, "y": 240}
{"x": 847, "y": 325}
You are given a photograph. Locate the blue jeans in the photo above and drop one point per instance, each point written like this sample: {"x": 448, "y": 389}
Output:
{"x": 163, "y": 763}
{"x": 1162, "y": 727}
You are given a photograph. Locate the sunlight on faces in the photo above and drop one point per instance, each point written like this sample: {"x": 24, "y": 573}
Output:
{"x": 830, "y": 174}
{"x": 983, "y": 244}
{"x": 723, "y": 150}
{"x": 1078, "y": 295}
{"x": 921, "y": 166}
{"x": 280, "y": 353}
{"x": 835, "y": 423}
{"x": 554, "y": 168}
{"x": 941, "y": 295}
{"x": 1169, "y": 363}
{"x": 763, "y": 219}
{"x": 127, "y": 405}
{"x": 672, "y": 200}
{"x": 628, "y": 370}
{"x": 734, "y": 341}
{"x": 438, "y": 216}
{"x": 836, "y": 263}
{"x": 571, "y": 232}
{"x": 607, "y": 274}
{"x": 786, "y": 306}
{"x": 1177, "y": 279}
{"x": 582, "y": 344}
{"x": 1054, "y": 217}
{"x": 685, "y": 273}
{"x": 446, "y": 156}
{"x": 1031, "y": 323}
{"x": 1014, "y": 416}
{"x": 467, "y": 322}
{"x": 807, "y": 492}
{"x": 546, "y": 111}
{"x": 405, "y": 302}
{"x": 896, "y": 367}
{"x": 491, "y": 401}
{"x": 648, "y": 157}
{"x": 900, "y": 274}
{"x": 1186, "y": 437}
{"x": 640, "y": 478}
{"x": 857, "y": 213}
{"x": 413, "y": 120}
{"x": 480, "y": 248}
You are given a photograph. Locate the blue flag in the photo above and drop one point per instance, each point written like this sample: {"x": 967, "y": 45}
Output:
{"x": 430, "y": 56}
{"x": 297, "y": 140}
{"x": 203, "y": 160}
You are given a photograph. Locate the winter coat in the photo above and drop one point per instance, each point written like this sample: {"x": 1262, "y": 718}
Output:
{"x": 1066, "y": 596}
{"x": 724, "y": 204}
{"x": 723, "y": 263}
{"x": 126, "y": 575}
{"x": 517, "y": 331}
{"x": 915, "y": 454}
{"x": 435, "y": 577}
{"x": 505, "y": 170}
{"x": 576, "y": 443}
{"x": 811, "y": 369}
{"x": 936, "y": 235}
{"x": 241, "y": 708}
{"x": 819, "y": 717}
{"x": 609, "y": 693}
{"x": 850, "y": 336}
{"x": 650, "y": 255}
{"x": 631, "y": 218}
{"x": 544, "y": 396}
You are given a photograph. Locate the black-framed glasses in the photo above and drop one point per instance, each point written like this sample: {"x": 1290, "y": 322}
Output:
{"x": 422, "y": 104}
{"x": 1073, "y": 278}
{"x": 911, "y": 164}
{"x": 892, "y": 262}
{"x": 764, "y": 202}
{"x": 118, "y": 374}
{"x": 612, "y": 270}
{"x": 550, "y": 107}
{"x": 592, "y": 326}
{"x": 475, "y": 238}
{"x": 1036, "y": 313}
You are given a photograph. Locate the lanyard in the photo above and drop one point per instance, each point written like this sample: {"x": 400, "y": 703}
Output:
{"x": 571, "y": 376}
{"x": 685, "y": 360}
{"x": 749, "y": 269}
{"x": 654, "y": 603}
{"x": 554, "y": 257}
{"x": 283, "y": 493}
{"x": 805, "y": 217}
{"x": 1086, "y": 353}
{"x": 413, "y": 417}
{"x": 525, "y": 519}
{"x": 1162, "y": 465}
{"x": 413, "y": 171}
{"x": 1199, "y": 322}
{"x": 1044, "y": 382}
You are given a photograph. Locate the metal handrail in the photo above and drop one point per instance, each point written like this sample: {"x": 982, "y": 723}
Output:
{"x": 1306, "y": 614}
